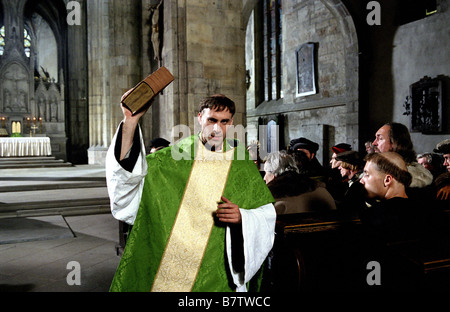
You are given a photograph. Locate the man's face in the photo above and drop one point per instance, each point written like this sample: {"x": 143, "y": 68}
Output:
{"x": 424, "y": 162}
{"x": 214, "y": 125}
{"x": 334, "y": 163}
{"x": 373, "y": 181}
{"x": 382, "y": 142}
{"x": 344, "y": 171}
{"x": 447, "y": 161}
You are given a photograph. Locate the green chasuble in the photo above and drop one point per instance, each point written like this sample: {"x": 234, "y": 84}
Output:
{"x": 161, "y": 251}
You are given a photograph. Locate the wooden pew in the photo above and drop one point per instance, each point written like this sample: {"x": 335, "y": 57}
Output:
{"x": 329, "y": 251}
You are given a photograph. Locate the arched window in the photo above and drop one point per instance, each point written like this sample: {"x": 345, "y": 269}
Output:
{"x": 27, "y": 42}
{"x": 45, "y": 47}
{"x": 268, "y": 43}
{"x": 2, "y": 40}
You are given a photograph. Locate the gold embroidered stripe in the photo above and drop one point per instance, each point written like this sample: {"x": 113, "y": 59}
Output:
{"x": 190, "y": 234}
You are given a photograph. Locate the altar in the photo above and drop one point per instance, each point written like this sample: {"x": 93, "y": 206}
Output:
{"x": 25, "y": 146}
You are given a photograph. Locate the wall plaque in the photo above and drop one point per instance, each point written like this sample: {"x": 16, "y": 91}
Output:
{"x": 306, "y": 78}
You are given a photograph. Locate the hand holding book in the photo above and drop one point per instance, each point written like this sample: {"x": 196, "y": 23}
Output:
{"x": 139, "y": 98}
{"x": 136, "y": 101}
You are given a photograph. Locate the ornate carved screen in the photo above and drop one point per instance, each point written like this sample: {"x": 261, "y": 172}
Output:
{"x": 424, "y": 105}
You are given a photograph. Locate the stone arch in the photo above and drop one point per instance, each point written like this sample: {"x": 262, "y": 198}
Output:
{"x": 54, "y": 13}
{"x": 348, "y": 29}
{"x": 248, "y": 6}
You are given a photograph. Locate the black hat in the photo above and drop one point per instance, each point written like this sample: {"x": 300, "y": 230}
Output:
{"x": 159, "y": 142}
{"x": 443, "y": 147}
{"x": 350, "y": 157}
{"x": 303, "y": 143}
{"x": 341, "y": 147}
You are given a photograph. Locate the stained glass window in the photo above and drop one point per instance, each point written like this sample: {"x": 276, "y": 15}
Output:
{"x": 272, "y": 46}
{"x": 2, "y": 40}
{"x": 27, "y": 43}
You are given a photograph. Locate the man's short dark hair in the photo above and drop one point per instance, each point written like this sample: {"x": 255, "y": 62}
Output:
{"x": 388, "y": 167}
{"x": 218, "y": 102}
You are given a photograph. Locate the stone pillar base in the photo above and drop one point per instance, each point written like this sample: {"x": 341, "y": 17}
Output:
{"x": 97, "y": 155}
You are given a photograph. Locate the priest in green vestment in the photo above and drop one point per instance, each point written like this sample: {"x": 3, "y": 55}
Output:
{"x": 202, "y": 216}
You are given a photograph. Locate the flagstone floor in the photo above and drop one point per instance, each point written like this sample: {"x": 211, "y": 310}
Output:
{"x": 38, "y": 254}
{"x": 46, "y": 265}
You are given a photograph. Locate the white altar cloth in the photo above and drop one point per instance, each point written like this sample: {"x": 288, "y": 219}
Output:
{"x": 25, "y": 146}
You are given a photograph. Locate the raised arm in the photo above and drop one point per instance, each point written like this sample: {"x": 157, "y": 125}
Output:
{"x": 125, "y": 173}
{"x": 130, "y": 123}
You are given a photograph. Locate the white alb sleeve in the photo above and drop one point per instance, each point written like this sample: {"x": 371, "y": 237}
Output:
{"x": 124, "y": 187}
{"x": 258, "y": 231}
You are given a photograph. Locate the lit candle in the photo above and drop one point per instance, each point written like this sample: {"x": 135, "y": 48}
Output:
{"x": 34, "y": 121}
{"x": 40, "y": 123}
{"x": 28, "y": 122}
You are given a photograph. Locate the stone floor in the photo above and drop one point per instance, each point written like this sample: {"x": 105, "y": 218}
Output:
{"x": 42, "y": 265}
{"x": 37, "y": 252}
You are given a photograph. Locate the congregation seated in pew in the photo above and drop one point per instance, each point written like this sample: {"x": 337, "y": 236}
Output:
{"x": 294, "y": 192}
{"x": 406, "y": 233}
{"x": 403, "y": 237}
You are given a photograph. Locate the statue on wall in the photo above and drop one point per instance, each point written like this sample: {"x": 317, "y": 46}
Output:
{"x": 156, "y": 40}
{"x": 7, "y": 101}
{"x": 22, "y": 102}
{"x": 42, "y": 111}
{"x": 53, "y": 109}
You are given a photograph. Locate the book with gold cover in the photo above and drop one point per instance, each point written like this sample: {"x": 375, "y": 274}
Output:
{"x": 145, "y": 90}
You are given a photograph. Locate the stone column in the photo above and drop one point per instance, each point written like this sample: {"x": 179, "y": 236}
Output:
{"x": 204, "y": 47}
{"x": 114, "y": 67}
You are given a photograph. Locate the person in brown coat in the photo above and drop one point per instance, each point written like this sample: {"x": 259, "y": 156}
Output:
{"x": 294, "y": 192}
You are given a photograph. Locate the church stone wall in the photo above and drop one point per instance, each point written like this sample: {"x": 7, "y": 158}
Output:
{"x": 202, "y": 45}
{"x": 331, "y": 115}
{"x": 430, "y": 57}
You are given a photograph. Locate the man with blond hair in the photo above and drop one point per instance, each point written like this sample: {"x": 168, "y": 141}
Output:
{"x": 391, "y": 218}
{"x": 386, "y": 176}
{"x": 394, "y": 218}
